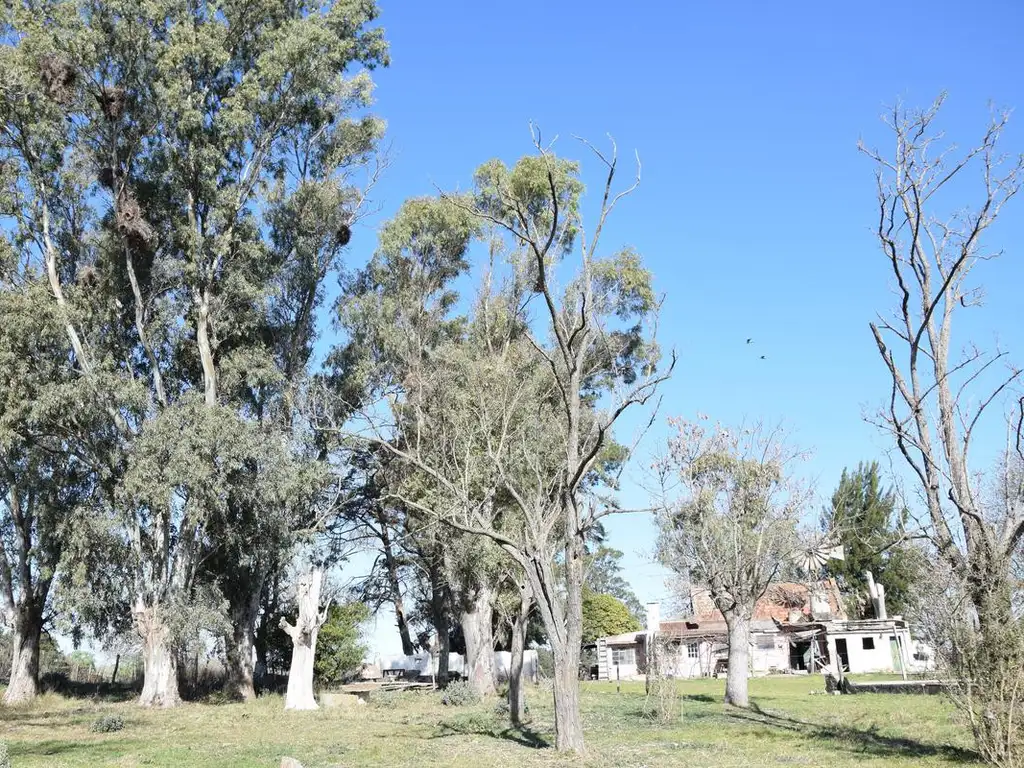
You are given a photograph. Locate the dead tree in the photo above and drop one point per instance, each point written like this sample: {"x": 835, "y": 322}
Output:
{"x": 303, "y": 635}
{"x": 939, "y": 396}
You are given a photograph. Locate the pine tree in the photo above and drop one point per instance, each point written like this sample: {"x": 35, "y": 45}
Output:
{"x": 870, "y": 528}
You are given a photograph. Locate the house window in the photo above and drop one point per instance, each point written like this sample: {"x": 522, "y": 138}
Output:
{"x": 692, "y": 651}
{"x": 869, "y": 643}
{"x": 624, "y": 655}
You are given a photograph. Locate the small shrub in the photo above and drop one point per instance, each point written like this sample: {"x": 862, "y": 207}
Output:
{"x": 54, "y": 682}
{"x": 107, "y": 724}
{"x": 384, "y": 699}
{"x": 501, "y": 707}
{"x": 5, "y": 757}
{"x": 459, "y": 694}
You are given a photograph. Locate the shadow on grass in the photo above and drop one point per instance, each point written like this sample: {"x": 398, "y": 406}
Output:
{"x": 859, "y": 740}
{"x": 106, "y": 692}
{"x": 523, "y": 735}
{"x": 26, "y": 715}
{"x": 92, "y": 750}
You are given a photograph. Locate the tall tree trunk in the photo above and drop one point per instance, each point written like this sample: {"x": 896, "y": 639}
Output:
{"x": 160, "y": 663}
{"x": 516, "y": 694}
{"x": 739, "y": 659}
{"x": 303, "y": 635}
{"x": 395, "y": 587}
{"x": 479, "y": 635}
{"x": 439, "y": 618}
{"x": 24, "y": 683}
{"x": 239, "y": 643}
{"x": 563, "y": 621}
{"x": 240, "y": 683}
{"x": 265, "y": 622}
{"x": 117, "y": 663}
{"x": 568, "y": 723}
{"x": 444, "y": 654}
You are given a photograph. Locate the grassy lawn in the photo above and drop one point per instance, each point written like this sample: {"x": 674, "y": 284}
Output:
{"x": 786, "y": 726}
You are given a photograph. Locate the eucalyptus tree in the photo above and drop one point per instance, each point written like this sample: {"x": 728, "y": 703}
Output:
{"x": 728, "y": 521}
{"x": 46, "y": 478}
{"x": 155, "y": 155}
{"x": 509, "y": 436}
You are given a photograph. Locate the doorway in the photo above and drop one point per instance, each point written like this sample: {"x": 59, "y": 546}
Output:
{"x": 843, "y": 654}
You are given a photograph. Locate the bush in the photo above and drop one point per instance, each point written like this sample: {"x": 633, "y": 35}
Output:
{"x": 54, "y": 682}
{"x": 384, "y": 699}
{"x": 5, "y": 757}
{"x": 107, "y": 724}
{"x": 459, "y": 694}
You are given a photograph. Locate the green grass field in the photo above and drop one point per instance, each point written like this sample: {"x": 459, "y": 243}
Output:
{"x": 786, "y": 726}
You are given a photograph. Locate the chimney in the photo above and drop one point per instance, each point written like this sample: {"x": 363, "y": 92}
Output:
{"x": 877, "y": 594}
{"x": 653, "y": 617}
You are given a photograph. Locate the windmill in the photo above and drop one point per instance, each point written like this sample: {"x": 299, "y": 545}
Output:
{"x": 812, "y": 558}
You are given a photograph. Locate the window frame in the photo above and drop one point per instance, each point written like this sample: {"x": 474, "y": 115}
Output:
{"x": 618, "y": 650}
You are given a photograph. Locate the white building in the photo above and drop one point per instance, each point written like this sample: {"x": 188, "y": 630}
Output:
{"x": 795, "y": 628}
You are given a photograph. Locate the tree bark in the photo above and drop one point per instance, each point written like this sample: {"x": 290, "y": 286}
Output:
{"x": 239, "y": 644}
{"x": 479, "y": 635}
{"x": 160, "y": 663}
{"x": 516, "y": 694}
{"x": 117, "y": 663}
{"x": 563, "y": 621}
{"x": 303, "y": 635}
{"x": 568, "y": 723}
{"x": 395, "y": 587}
{"x": 439, "y": 618}
{"x": 739, "y": 660}
{"x": 24, "y": 683}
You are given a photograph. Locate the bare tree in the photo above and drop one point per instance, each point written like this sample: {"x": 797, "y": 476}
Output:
{"x": 303, "y": 634}
{"x": 729, "y": 522}
{"x": 938, "y": 396}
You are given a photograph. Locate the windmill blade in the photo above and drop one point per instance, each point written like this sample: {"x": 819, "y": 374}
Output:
{"x": 837, "y": 553}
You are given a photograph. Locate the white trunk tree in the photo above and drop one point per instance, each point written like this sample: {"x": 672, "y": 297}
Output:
{"x": 728, "y": 522}
{"x": 303, "y": 634}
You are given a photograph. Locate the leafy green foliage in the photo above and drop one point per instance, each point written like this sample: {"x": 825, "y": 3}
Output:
{"x": 385, "y": 699}
{"x": 107, "y": 724}
{"x": 177, "y": 183}
{"x": 604, "y": 615}
{"x": 459, "y": 693}
{"x": 339, "y": 646}
{"x": 604, "y": 576}
{"x": 868, "y": 523}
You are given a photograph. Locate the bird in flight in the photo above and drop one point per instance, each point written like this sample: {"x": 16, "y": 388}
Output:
{"x": 764, "y": 357}
{"x": 750, "y": 341}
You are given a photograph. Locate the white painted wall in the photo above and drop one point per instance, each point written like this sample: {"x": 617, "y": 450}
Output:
{"x": 864, "y": 660}
{"x": 425, "y": 664}
{"x": 625, "y": 671}
{"x": 768, "y": 652}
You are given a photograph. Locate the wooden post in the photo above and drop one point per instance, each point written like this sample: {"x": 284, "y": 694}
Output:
{"x": 618, "y": 679}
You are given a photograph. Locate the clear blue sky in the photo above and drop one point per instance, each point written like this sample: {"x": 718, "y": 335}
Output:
{"x": 755, "y": 209}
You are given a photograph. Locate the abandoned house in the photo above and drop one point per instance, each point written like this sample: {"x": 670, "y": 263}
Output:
{"x": 795, "y": 628}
